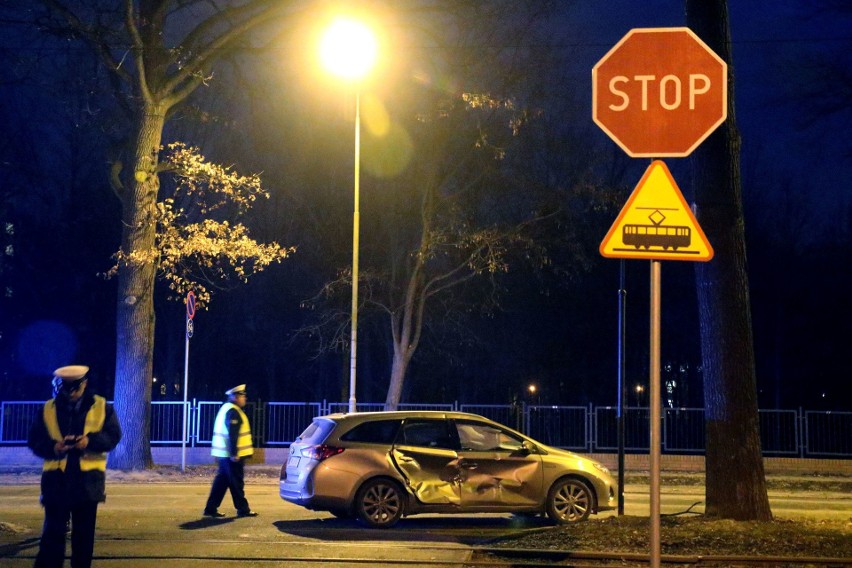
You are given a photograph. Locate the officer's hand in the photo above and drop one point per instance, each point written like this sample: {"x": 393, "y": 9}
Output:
{"x": 82, "y": 443}
{"x": 235, "y": 459}
{"x": 60, "y": 449}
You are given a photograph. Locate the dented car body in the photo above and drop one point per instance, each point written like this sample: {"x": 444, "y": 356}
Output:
{"x": 381, "y": 466}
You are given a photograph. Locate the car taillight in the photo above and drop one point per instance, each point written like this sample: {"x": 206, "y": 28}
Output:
{"x": 320, "y": 453}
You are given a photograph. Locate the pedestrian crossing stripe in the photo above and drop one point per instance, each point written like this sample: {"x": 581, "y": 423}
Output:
{"x": 656, "y": 223}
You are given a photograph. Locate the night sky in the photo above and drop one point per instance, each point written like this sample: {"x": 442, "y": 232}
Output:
{"x": 793, "y": 72}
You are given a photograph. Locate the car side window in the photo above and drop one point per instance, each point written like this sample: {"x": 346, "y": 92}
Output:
{"x": 376, "y": 432}
{"x": 477, "y": 437}
{"x": 427, "y": 434}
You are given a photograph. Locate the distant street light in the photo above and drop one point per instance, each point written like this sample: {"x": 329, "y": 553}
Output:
{"x": 639, "y": 390}
{"x": 348, "y": 49}
{"x": 533, "y": 390}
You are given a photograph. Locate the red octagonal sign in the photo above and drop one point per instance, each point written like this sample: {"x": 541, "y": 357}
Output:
{"x": 659, "y": 92}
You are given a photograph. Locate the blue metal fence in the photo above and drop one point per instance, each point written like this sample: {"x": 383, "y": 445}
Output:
{"x": 562, "y": 426}
{"x": 16, "y": 418}
{"x": 802, "y": 433}
{"x": 636, "y": 430}
{"x": 286, "y": 420}
{"x": 827, "y": 433}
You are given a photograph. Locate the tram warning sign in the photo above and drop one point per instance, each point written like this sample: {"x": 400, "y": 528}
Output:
{"x": 656, "y": 223}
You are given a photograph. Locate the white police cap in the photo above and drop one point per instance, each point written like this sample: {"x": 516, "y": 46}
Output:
{"x": 239, "y": 389}
{"x": 71, "y": 372}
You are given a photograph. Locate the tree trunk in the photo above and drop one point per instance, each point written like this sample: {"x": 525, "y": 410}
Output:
{"x": 735, "y": 480}
{"x": 406, "y": 327}
{"x": 135, "y": 314}
{"x": 398, "y": 370}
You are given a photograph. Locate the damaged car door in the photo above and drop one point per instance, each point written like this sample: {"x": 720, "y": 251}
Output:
{"x": 425, "y": 454}
{"x": 497, "y": 468}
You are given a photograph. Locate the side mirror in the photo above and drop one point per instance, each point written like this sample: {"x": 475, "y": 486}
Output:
{"x": 526, "y": 448}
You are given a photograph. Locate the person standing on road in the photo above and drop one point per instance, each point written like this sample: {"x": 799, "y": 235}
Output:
{"x": 72, "y": 434}
{"x": 231, "y": 446}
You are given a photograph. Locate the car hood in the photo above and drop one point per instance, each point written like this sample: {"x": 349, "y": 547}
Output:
{"x": 575, "y": 461}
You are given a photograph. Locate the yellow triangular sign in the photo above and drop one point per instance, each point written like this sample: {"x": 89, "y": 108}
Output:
{"x": 656, "y": 223}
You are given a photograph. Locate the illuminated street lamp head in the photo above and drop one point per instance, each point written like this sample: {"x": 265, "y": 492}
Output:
{"x": 348, "y": 49}
{"x": 532, "y": 389}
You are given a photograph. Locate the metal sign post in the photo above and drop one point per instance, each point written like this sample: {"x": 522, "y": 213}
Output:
{"x": 622, "y": 382}
{"x": 190, "y": 313}
{"x": 654, "y": 405}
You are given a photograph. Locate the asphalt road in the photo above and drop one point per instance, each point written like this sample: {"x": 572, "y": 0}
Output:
{"x": 160, "y": 524}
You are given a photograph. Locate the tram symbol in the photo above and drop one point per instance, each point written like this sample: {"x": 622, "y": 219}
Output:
{"x": 656, "y": 223}
{"x": 656, "y": 234}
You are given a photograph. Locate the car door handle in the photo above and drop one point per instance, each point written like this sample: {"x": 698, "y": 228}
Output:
{"x": 405, "y": 459}
{"x": 469, "y": 465}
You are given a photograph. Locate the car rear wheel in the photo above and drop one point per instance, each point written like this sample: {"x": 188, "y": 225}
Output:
{"x": 569, "y": 501}
{"x": 379, "y": 503}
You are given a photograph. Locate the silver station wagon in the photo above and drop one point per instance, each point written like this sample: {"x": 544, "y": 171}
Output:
{"x": 381, "y": 466}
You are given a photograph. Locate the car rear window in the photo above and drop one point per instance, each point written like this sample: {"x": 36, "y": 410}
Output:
{"x": 316, "y": 432}
{"x": 377, "y": 432}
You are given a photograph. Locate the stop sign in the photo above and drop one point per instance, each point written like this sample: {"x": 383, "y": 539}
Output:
{"x": 659, "y": 92}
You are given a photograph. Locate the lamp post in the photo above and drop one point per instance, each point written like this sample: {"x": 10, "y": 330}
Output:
{"x": 348, "y": 49}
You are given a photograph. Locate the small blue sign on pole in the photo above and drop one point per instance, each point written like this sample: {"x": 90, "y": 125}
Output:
{"x": 190, "y": 304}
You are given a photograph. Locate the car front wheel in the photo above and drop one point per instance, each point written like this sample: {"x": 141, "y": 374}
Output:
{"x": 379, "y": 503}
{"x": 569, "y": 501}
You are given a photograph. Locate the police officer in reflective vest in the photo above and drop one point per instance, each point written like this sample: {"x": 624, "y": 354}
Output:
{"x": 231, "y": 447}
{"x": 73, "y": 434}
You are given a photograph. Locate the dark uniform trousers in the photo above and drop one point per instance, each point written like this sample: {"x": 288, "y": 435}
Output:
{"x": 83, "y": 515}
{"x": 229, "y": 476}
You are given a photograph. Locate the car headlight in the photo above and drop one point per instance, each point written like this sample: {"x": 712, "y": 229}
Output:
{"x": 600, "y": 467}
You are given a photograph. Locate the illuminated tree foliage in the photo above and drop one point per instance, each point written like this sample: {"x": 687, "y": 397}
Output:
{"x": 211, "y": 251}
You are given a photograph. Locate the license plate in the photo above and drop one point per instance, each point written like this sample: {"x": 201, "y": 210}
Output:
{"x": 293, "y": 461}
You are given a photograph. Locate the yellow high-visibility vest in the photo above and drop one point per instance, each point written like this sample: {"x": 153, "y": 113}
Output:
{"x": 220, "y": 447}
{"x": 95, "y": 418}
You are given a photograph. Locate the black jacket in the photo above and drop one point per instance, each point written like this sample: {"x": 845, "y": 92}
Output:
{"x": 72, "y": 485}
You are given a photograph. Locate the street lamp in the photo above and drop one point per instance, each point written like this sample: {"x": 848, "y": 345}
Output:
{"x": 348, "y": 49}
{"x": 639, "y": 391}
{"x": 534, "y": 394}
